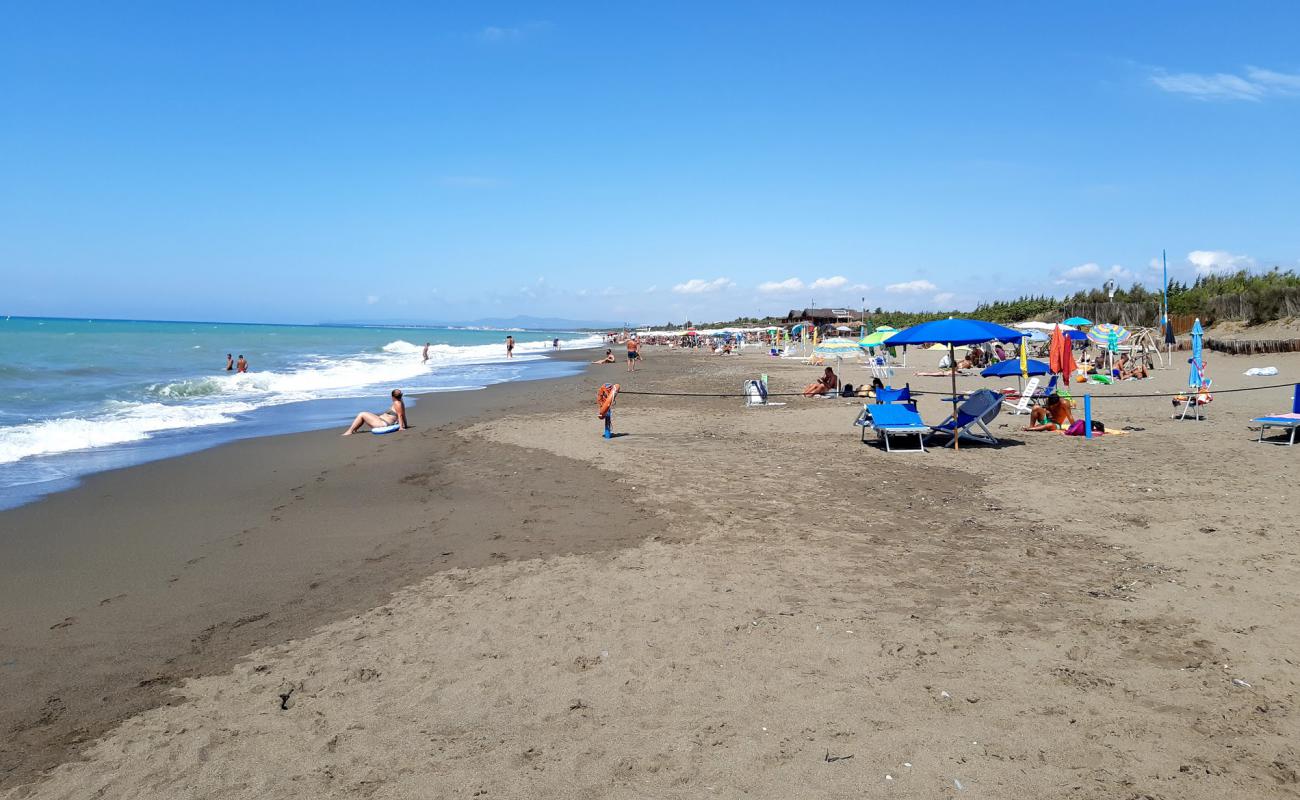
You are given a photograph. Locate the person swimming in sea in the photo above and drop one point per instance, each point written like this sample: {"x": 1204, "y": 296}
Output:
{"x": 396, "y": 414}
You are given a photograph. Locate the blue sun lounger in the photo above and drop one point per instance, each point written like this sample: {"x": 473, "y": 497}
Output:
{"x": 893, "y": 420}
{"x": 1285, "y": 421}
{"x": 973, "y": 416}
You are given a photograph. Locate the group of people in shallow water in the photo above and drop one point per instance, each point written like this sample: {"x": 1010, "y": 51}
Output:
{"x": 236, "y": 366}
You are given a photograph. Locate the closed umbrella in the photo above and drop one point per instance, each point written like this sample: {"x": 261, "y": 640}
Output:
{"x": 1061, "y": 355}
{"x": 953, "y": 332}
{"x": 1197, "y": 376}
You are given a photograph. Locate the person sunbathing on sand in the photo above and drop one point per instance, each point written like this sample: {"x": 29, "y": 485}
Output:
{"x": 608, "y": 359}
{"x": 828, "y": 381}
{"x": 1055, "y": 416}
{"x": 395, "y": 414}
{"x": 1131, "y": 368}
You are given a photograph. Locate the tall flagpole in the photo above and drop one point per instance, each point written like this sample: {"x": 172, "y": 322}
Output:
{"x": 1164, "y": 268}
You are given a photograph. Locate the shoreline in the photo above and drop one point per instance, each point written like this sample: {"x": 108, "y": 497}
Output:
{"x": 73, "y": 467}
{"x": 142, "y": 577}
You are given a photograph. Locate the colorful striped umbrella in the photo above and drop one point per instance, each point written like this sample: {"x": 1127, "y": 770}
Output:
{"x": 1107, "y": 332}
{"x": 877, "y": 337}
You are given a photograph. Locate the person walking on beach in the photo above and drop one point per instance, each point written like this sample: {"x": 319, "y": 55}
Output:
{"x": 241, "y": 364}
{"x": 396, "y": 414}
{"x": 510, "y": 347}
{"x": 425, "y": 360}
{"x": 555, "y": 343}
{"x": 230, "y": 363}
{"x": 633, "y": 352}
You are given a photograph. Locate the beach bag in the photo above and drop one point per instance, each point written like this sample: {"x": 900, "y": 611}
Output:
{"x": 1077, "y": 428}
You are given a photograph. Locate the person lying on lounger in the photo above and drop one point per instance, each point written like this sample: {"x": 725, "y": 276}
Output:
{"x": 1055, "y": 416}
{"x": 828, "y": 382}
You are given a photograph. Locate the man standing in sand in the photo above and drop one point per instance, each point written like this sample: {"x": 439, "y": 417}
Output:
{"x": 633, "y": 352}
{"x": 241, "y": 364}
{"x": 510, "y": 347}
{"x": 425, "y": 360}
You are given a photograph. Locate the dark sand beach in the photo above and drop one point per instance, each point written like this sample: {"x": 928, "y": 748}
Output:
{"x": 117, "y": 591}
{"x": 720, "y": 601}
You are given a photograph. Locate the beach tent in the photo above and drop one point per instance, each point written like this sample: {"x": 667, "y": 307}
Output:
{"x": 953, "y": 332}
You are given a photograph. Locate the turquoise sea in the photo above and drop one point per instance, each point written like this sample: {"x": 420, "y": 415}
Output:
{"x": 80, "y": 396}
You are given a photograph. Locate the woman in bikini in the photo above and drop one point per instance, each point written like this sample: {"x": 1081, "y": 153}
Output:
{"x": 396, "y": 413}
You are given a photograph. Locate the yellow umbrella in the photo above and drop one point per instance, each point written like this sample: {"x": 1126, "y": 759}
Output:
{"x": 1024, "y": 360}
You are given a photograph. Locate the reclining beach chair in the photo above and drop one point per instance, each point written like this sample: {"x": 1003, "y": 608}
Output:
{"x": 1026, "y": 399}
{"x": 973, "y": 418}
{"x": 891, "y": 419}
{"x": 1285, "y": 421}
{"x": 880, "y": 368}
{"x": 888, "y": 394}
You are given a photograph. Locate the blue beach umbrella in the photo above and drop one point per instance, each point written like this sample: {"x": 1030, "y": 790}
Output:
{"x": 1077, "y": 321}
{"x": 1005, "y": 369}
{"x": 952, "y": 332}
{"x": 1198, "y": 365}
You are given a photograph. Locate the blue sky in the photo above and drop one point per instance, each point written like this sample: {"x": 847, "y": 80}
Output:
{"x": 328, "y": 161}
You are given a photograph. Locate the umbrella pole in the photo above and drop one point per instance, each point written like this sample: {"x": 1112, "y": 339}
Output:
{"x": 956, "y": 432}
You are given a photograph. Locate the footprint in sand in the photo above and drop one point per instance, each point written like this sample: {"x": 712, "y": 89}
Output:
{"x": 65, "y": 623}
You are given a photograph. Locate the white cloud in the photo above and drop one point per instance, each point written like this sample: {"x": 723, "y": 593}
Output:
{"x": 652, "y": 290}
{"x": 1094, "y": 273}
{"x": 1083, "y": 272}
{"x": 944, "y": 297}
{"x": 860, "y": 287}
{"x": 836, "y": 282}
{"x": 496, "y": 34}
{"x": 1217, "y": 262}
{"x": 699, "y": 286}
{"x": 372, "y": 299}
{"x": 1254, "y": 85}
{"x": 776, "y": 287}
{"x": 911, "y": 287}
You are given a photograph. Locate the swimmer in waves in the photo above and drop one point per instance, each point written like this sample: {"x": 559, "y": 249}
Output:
{"x": 395, "y": 415}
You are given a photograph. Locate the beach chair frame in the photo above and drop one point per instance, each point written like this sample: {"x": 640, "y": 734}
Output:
{"x": 885, "y": 432}
{"x": 1291, "y": 423}
{"x": 1021, "y": 406}
{"x": 973, "y": 416}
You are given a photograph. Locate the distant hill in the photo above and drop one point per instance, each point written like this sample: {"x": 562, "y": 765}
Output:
{"x": 542, "y": 323}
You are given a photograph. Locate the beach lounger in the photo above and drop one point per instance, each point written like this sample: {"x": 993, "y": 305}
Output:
{"x": 888, "y": 394}
{"x": 1289, "y": 422}
{"x": 891, "y": 420}
{"x": 973, "y": 418}
{"x": 1026, "y": 399}
{"x": 880, "y": 369}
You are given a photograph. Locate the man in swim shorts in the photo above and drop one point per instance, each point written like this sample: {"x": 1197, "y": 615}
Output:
{"x": 241, "y": 364}
{"x": 633, "y": 352}
{"x": 230, "y": 363}
{"x": 396, "y": 413}
{"x": 510, "y": 347}
{"x": 1055, "y": 416}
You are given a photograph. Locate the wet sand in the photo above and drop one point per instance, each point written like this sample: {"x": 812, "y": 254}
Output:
{"x": 754, "y": 603}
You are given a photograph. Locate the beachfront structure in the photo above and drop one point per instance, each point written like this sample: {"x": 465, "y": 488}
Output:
{"x": 820, "y": 317}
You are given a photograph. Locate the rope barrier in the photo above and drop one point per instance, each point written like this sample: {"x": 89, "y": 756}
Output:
{"x": 949, "y": 394}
